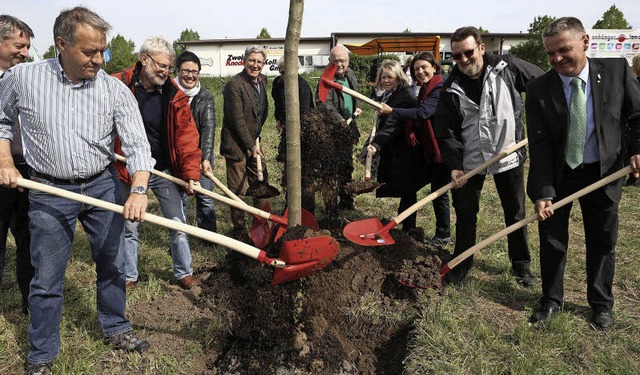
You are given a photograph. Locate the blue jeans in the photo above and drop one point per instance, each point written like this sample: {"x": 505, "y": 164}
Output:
{"x": 52, "y": 225}
{"x": 205, "y": 213}
{"x": 170, "y": 197}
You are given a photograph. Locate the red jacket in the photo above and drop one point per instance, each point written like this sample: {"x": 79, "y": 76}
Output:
{"x": 182, "y": 135}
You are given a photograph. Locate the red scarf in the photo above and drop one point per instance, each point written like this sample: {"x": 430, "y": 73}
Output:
{"x": 424, "y": 132}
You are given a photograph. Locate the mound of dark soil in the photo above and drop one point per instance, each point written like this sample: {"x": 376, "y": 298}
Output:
{"x": 326, "y": 149}
{"x": 352, "y": 317}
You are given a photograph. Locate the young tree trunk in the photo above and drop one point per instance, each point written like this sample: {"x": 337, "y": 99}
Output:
{"x": 292, "y": 108}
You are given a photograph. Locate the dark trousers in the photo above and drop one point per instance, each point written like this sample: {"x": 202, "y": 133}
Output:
{"x": 14, "y": 215}
{"x": 466, "y": 201}
{"x": 441, "y": 210}
{"x": 239, "y": 175}
{"x": 600, "y": 218}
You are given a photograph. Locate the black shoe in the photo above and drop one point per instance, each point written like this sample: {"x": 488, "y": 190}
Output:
{"x": 438, "y": 241}
{"x": 544, "y": 315}
{"x": 456, "y": 276}
{"x": 524, "y": 276}
{"x": 39, "y": 369}
{"x": 602, "y": 320}
{"x": 346, "y": 205}
{"x": 128, "y": 342}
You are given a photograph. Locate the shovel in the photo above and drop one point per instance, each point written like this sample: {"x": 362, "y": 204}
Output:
{"x": 371, "y": 232}
{"x": 303, "y": 257}
{"x": 512, "y": 228}
{"x": 367, "y": 185}
{"x": 308, "y": 220}
{"x": 260, "y": 189}
{"x": 327, "y": 82}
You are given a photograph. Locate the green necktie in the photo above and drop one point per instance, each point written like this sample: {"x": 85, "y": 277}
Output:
{"x": 577, "y": 124}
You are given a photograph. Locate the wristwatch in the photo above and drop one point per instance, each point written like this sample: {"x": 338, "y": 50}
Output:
{"x": 138, "y": 190}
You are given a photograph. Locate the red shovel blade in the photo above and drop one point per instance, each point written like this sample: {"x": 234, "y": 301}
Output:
{"x": 308, "y": 220}
{"x": 369, "y": 232}
{"x": 260, "y": 231}
{"x": 304, "y": 257}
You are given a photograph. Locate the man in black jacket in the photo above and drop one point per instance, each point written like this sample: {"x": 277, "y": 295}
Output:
{"x": 576, "y": 115}
{"x": 15, "y": 39}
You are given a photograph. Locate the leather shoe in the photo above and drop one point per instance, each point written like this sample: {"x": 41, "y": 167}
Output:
{"x": 544, "y": 315}
{"x": 39, "y": 369}
{"x": 524, "y": 276}
{"x": 188, "y": 282}
{"x": 602, "y": 319}
{"x": 130, "y": 284}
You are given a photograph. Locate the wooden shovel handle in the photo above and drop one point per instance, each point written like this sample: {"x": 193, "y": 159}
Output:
{"x": 259, "y": 162}
{"x": 351, "y": 92}
{"x": 367, "y": 164}
{"x": 231, "y": 243}
{"x": 451, "y": 185}
{"x": 223, "y": 187}
{"x": 199, "y": 189}
{"x": 512, "y": 228}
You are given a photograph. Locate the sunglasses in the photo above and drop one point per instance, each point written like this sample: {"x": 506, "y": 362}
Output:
{"x": 467, "y": 53}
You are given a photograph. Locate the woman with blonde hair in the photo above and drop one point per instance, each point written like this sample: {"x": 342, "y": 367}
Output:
{"x": 396, "y": 163}
{"x": 419, "y": 133}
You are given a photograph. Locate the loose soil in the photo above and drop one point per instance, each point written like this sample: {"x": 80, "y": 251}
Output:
{"x": 352, "y": 317}
{"x": 326, "y": 151}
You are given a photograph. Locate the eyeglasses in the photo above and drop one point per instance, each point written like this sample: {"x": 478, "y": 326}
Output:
{"x": 340, "y": 61}
{"x": 467, "y": 53}
{"x": 187, "y": 72}
{"x": 255, "y": 62}
{"x": 161, "y": 66}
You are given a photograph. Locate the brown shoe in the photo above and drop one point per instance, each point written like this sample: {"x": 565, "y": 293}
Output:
{"x": 131, "y": 284}
{"x": 188, "y": 281}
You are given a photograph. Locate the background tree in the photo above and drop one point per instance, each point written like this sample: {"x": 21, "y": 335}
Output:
{"x": 185, "y": 35}
{"x": 483, "y": 30}
{"x": 612, "y": 19}
{"x": 407, "y": 31}
{"x": 264, "y": 34}
{"x": 51, "y": 52}
{"x": 122, "y": 54}
{"x": 532, "y": 49}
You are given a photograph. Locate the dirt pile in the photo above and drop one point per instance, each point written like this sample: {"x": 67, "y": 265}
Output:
{"x": 351, "y": 317}
{"x": 326, "y": 149}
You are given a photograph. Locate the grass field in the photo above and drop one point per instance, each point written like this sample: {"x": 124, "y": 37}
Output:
{"x": 478, "y": 328}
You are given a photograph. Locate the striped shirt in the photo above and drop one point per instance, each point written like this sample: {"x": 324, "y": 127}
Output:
{"x": 68, "y": 130}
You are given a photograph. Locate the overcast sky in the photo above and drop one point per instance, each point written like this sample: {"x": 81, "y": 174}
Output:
{"x": 216, "y": 19}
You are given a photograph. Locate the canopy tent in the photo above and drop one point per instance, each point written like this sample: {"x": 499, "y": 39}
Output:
{"x": 398, "y": 44}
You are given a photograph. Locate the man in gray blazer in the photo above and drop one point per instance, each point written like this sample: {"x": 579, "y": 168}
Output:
{"x": 245, "y": 111}
{"x": 573, "y": 145}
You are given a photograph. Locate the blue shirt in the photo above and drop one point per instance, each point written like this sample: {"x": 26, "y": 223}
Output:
{"x": 591, "y": 154}
{"x": 68, "y": 129}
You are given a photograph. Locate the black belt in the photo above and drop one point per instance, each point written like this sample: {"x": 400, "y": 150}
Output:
{"x": 61, "y": 181}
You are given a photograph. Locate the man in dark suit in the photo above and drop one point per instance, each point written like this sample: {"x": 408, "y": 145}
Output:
{"x": 245, "y": 111}
{"x": 558, "y": 126}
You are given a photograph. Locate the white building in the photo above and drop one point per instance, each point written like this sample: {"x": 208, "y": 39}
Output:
{"x": 223, "y": 57}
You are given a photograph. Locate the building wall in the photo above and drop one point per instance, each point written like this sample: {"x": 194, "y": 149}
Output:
{"x": 225, "y": 59}
{"x": 222, "y": 57}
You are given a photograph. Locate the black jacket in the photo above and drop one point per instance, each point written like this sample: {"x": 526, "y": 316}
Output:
{"x": 204, "y": 113}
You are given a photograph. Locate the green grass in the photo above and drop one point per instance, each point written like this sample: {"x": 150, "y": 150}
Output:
{"x": 478, "y": 328}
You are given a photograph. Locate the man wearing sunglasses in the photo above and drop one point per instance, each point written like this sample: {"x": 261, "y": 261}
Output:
{"x": 480, "y": 115}
{"x": 173, "y": 137}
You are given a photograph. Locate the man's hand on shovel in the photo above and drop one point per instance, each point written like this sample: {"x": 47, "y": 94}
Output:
{"x": 543, "y": 210}
{"x": 458, "y": 178}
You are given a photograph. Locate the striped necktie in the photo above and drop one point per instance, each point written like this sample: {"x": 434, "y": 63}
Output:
{"x": 577, "y": 124}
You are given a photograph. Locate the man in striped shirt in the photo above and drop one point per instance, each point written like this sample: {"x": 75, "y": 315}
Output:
{"x": 70, "y": 113}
